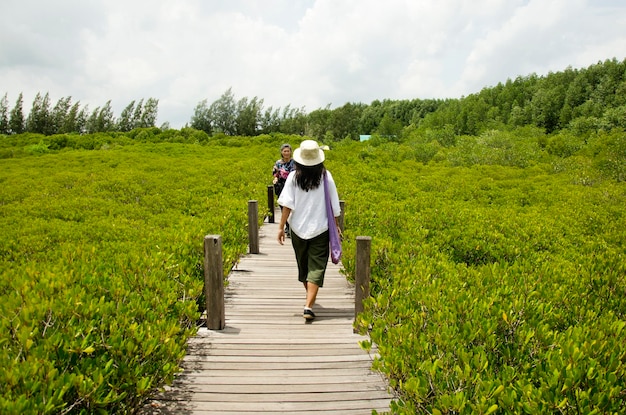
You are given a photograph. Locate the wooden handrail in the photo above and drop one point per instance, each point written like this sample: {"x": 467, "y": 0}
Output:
{"x": 362, "y": 272}
{"x": 270, "y": 203}
{"x": 214, "y": 282}
{"x": 253, "y": 226}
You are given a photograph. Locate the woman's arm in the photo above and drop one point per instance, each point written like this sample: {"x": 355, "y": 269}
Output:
{"x": 283, "y": 221}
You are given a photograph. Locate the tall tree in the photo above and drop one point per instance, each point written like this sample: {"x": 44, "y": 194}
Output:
{"x": 71, "y": 123}
{"x": 59, "y": 116}
{"x": 248, "y": 116}
{"x": 149, "y": 114}
{"x": 224, "y": 112}
{"x": 4, "y": 115}
{"x": 124, "y": 123}
{"x": 546, "y": 106}
{"x": 201, "y": 118}
{"x": 345, "y": 120}
{"x": 293, "y": 121}
{"x": 106, "y": 119}
{"x": 270, "y": 121}
{"x": 16, "y": 121}
{"x": 81, "y": 119}
{"x": 136, "y": 119}
{"x": 91, "y": 125}
{"x": 101, "y": 119}
{"x": 389, "y": 127}
{"x": 319, "y": 123}
{"x": 39, "y": 120}
{"x": 371, "y": 117}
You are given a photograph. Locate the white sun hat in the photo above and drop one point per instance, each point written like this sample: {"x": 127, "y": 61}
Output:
{"x": 309, "y": 153}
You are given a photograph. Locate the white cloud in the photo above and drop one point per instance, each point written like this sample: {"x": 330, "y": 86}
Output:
{"x": 293, "y": 52}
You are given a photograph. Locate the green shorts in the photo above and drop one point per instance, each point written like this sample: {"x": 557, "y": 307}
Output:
{"x": 312, "y": 257}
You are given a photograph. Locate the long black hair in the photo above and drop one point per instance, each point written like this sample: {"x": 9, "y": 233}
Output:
{"x": 309, "y": 177}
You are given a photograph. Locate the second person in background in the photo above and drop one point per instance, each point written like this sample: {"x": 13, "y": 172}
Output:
{"x": 281, "y": 170}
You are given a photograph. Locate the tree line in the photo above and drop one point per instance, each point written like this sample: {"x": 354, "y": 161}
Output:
{"x": 584, "y": 99}
{"x": 68, "y": 117}
{"x": 592, "y": 98}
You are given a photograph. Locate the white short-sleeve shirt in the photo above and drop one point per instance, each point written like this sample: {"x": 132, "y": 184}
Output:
{"x": 308, "y": 209}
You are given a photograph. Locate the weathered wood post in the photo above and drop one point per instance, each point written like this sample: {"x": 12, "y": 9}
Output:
{"x": 214, "y": 282}
{"x": 363, "y": 272}
{"x": 342, "y": 204}
{"x": 270, "y": 203}
{"x": 253, "y": 226}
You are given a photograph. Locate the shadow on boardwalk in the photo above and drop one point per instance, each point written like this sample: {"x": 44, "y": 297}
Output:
{"x": 268, "y": 360}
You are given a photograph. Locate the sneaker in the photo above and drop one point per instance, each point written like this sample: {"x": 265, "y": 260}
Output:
{"x": 308, "y": 314}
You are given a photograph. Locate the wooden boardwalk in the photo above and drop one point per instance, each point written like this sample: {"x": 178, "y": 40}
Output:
{"x": 268, "y": 360}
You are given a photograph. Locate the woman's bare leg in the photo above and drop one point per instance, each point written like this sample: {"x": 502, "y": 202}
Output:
{"x": 311, "y": 294}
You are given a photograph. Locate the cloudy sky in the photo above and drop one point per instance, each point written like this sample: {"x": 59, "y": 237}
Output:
{"x": 303, "y": 53}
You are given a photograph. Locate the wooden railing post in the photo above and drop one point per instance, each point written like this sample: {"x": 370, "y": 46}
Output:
{"x": 214, "y": 282}
{"x": 253, "y": 226}
{"x": 342, "y": 204}
{"x": 363, "y": 272}
{"x": 270, "y": 203}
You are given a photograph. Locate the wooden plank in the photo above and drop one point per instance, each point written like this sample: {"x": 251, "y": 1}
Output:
{"x": 267, "y": 359}
{"x": 265, "y": 349}
{"x": 278, "y": 341}
{"x": 201, "y": 379}
{"x": 300, "y": 412}
{"x": 247, "y": 368}
{"x": 272, "y": 397}
{"x": 320, "y": 386}
{"x": 229, "y": 350}
{"x": 186, "y": 409}
{"x": 293, "y": 359}
{"x": 318, "y": 404}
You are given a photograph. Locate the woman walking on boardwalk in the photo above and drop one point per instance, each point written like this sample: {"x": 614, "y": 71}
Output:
{"x": 304, "y": 208}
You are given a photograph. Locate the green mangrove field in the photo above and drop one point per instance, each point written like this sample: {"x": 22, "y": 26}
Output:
{"x": 498, "y": 263}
